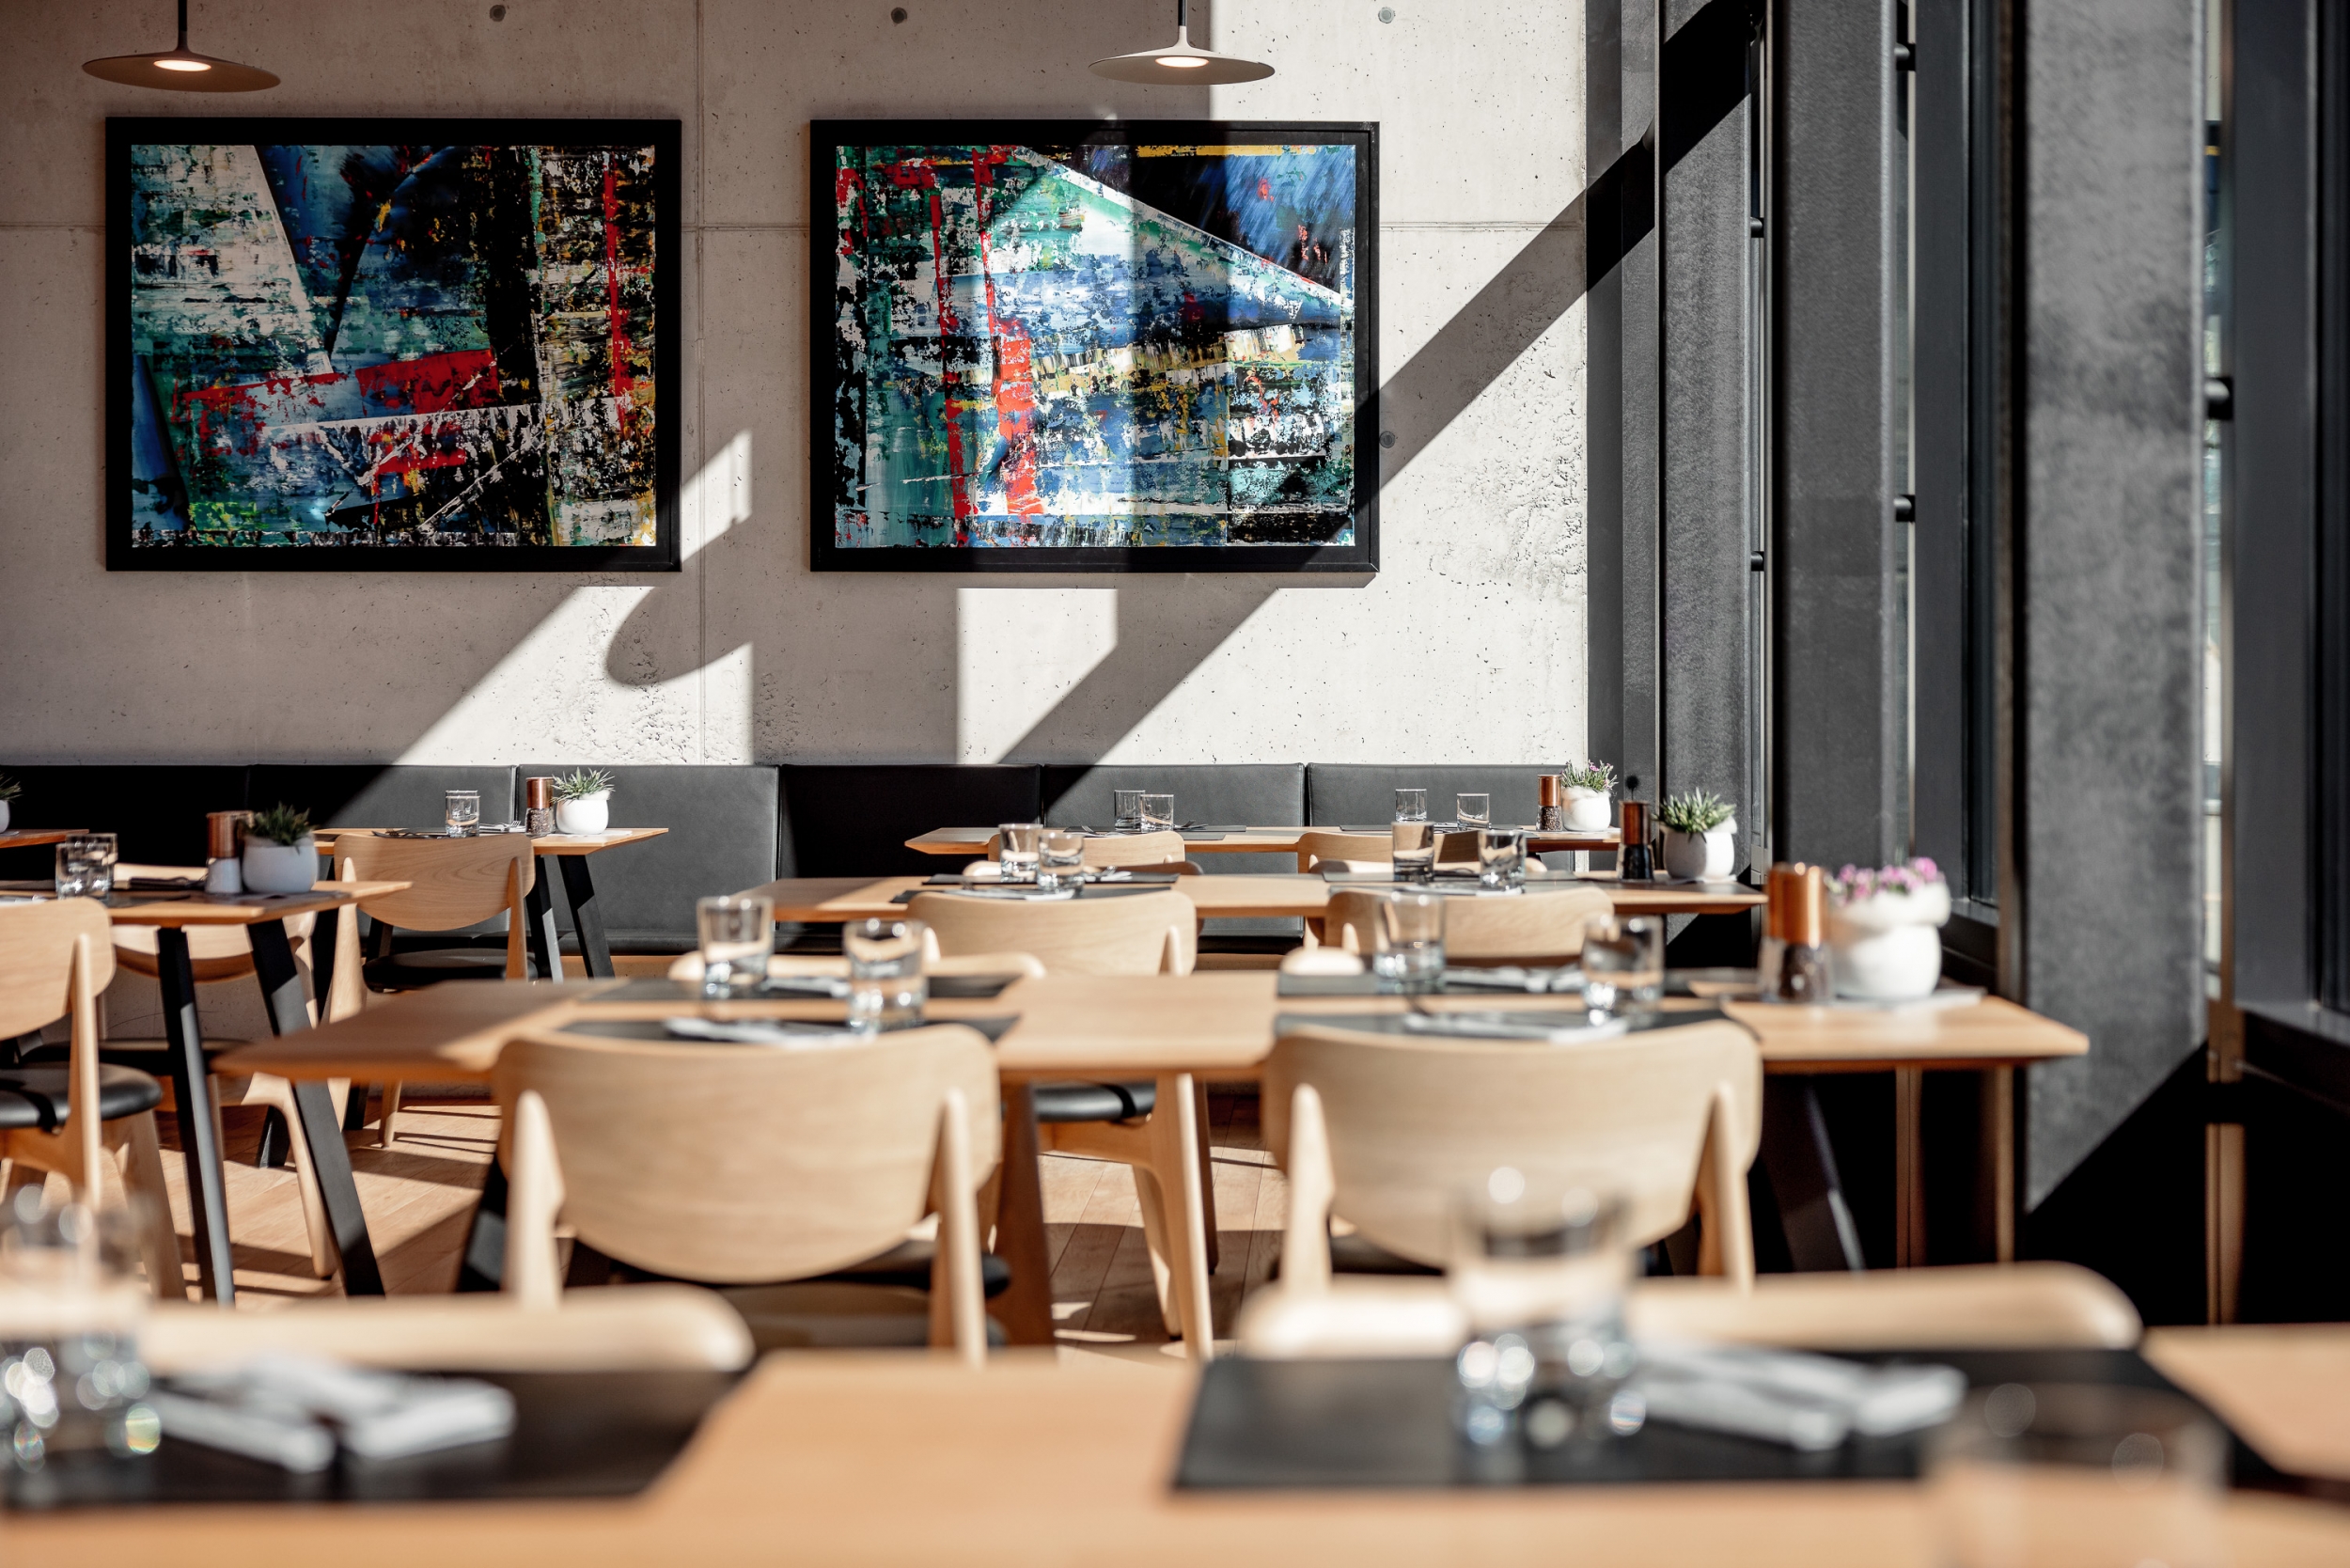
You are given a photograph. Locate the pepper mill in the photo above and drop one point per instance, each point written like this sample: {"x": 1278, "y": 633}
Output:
{"x": 1634, "y": 861}
{"x": 538, "y": 806}
{"x": 1551, "y": 803}
{"x": 224, "y": 867}
{"x": 1797, "y": 902}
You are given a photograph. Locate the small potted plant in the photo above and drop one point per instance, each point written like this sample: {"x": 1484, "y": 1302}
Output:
{"x": 1588, "y": 786}
{"x": 1883, "y": 927}
{"x": 280, "y": 855}
{"x": 582, "y": 800}
{"x": 1700, "y": 836}
{"x": 10, "y": 790}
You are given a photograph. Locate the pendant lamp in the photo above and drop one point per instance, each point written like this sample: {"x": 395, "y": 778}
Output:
{"x": 180, "y": 69}
{"x": 1181, "y": 64}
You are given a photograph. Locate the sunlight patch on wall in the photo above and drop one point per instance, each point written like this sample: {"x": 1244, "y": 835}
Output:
{"x": 1018, "y": 652}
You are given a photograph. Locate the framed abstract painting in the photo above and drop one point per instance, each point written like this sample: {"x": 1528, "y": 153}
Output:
{"x": 392, "y": 344}
{"x": 1058, "y": 345}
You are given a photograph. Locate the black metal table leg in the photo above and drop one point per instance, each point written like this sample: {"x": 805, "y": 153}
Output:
{"x": 586, "y": 920}
{"x": 199, "y": 1134}
{"x": 322, "y": 1128}
{"x": 1801, "y": 1164}
{"x": 482, "y": 1266}
{"x": 547, "y": 944}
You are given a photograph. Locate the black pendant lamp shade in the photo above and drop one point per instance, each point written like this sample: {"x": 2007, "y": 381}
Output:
{"x": 180, "y": 69}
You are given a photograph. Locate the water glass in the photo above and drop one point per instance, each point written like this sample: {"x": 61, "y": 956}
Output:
{"x": 1158, "y": 814}
{"x": 85, "y": 866}
{"x": 1501, "y": 856}
{"x": 76, "y": 1383}
{"x": 1061, "y": 858}
{"x": 738, "y": 936}
{"x": 2077, "y": 1476}
{"x": 1473, "y": 811}
{"x": 461, "y": 810}
{"x": 1128, "y": 804}
{"x": 887, "y": 988}
{"x": 1413, "y": 851}
{"x": 1016, "y": 850}
{"x": 1540, "y": 1271}
{"x": 1623, "y": 963}
{"x": 1407, "y": 941}
{"x": 1411, "y": 805}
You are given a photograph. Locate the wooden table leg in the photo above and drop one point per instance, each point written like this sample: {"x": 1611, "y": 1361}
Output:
{"x": 1025, "y": 1308}
{"x": 1174, "y": 1128}
{"x": 1207, "y": 1175}
{"x": 1999, "y": 1157}
{"x": 322, "y": 1123}
{"x": 199, "y": 1132}
{"x": 546, "y": 944}
{"x": 579, "y": 886}
{"x": 1909, "y": 1182}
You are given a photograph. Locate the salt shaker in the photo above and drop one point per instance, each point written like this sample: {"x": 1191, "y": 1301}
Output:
{"x": 538, "y": 806}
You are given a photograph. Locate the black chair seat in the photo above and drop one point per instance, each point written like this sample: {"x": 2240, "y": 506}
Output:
{"x": 407, "y": 971}
{"x": 1095, "y": 1102}
{"x": 829, "y": 1314}
{"x": 908, "y": 1266}
{"x": 36, "y": 1097}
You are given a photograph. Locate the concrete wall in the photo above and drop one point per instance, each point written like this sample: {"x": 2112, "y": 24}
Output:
{"x": 1469, "y": 646}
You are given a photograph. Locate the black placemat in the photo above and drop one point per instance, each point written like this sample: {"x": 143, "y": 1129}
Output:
{"x": 949, "y": 988}
{"x": 653, "y": 1029}
{"x": 1367, "y": 984}
{"x": 1271, "y": 1425}
{"x": 1090, "y": 891}
{"x": 1132, "y": 879}
{"x": 577, "y": 1435}
{"x": 1393, "y": 1023}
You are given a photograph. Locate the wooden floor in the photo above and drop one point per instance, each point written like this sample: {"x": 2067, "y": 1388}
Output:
{"x": 420, "y": 1195}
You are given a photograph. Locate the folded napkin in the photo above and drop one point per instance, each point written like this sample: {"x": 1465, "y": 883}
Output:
{"x": 162, "y": 884}
{"x": 293, "y": 1411}
{"x": 1568, "y": 1027}
{"x": 1510, "y": 976}
{"x": 1791, "y": 1398}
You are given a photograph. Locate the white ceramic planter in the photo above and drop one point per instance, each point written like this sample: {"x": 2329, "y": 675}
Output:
{"x": 1587, "y": 809}
{"x": 268, "y": 867}
{"x": 588, "y": 814}
{"x": 4, "y": 816}
{"x": 1888, "y": 947}
{"x": 1708, "y": 856}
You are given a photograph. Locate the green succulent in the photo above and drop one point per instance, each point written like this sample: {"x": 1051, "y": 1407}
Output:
{"x": 9, "y": 788}
{"x": 1695, "y": 812}
{"x": 281, "y": 824}
{"x": 580, "y": 785}
{"x": 1589, "y": 776}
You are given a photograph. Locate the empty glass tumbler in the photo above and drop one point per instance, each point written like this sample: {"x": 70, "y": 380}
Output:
{"x": 1407, "y": 940}
{"x": 461, "y": 810}
{"x": 738, "y": 936}
{"x": 1413, "y": 848}
{"x": 887, "y": 987}
{"x": 69, "y": 1371}
{"x": 85, "y": 866}
{"x": 1411, "y": 805}
{"x": 1061, "y": 858}
{"x": 1623, "y": 963}
{"x": 1501, "y": 856}
{"x": 1128, "y": 805}
{"x": 1016, "y": 850}
{"x": 1158, "y": 814}
{"x": 1473, "y": 811}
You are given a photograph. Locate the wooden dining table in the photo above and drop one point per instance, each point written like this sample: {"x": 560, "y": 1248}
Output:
{"x": 973, "y": 842}
{"x": 34, "y": 837}
{"x": 873, "y": 1458}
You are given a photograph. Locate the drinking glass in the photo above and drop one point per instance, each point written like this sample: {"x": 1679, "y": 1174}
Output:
{"x": 886, "y": 989}
{"x": 1413, "y": 851}
{"x": 1407, "y": 940}
{"x": 1540, "y": 1271}
{"x": 85, "y": 866}
{"x": 1501, "y": 856}
{"x": 1061, "y": 858}
{"x": 1158, "y": 814}
{"x": 738, "y": 936}
{"x": 461, "y": 810}
{"x": 75, "y": 1382}
{"x": 1411, "y": 805}
{"x": 1129, "y": 807}
{"x": 1473, "y": 811}
{"x": 1016, "y": 850}
{"x": 1623, "y": 963}
{"x": 2077, "y": 1476}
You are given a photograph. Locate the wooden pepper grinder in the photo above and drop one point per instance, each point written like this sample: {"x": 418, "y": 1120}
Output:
{"x": 538, "y": 806}
{"x": 1551, "y": 801}
{"x": 1634, "y": 860}
{"x": 1795, "y": 959}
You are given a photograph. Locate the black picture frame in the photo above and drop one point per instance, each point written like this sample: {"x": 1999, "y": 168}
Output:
{"x": 828, "y": 136}
{"x": 125, "y": 131}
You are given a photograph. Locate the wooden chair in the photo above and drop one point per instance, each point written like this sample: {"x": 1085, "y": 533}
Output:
{"x": 1348, "y": 850}
{"x": 455, "y": 883}
{"x": 1137, "y": 934}
{"x": 1529, "y": 928}
{"x": 736, "y": 1166}
{"x": 92, "y": 1125}
{"x": 1387, "y": 1130}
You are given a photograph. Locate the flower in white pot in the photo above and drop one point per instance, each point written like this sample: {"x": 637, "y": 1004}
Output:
{"x": 1700, "y": 836}
{"x": 1588, "y": 785}
{"x": 1884, "y": 929}
{"x": 10, "y": 790}
{"x": 582, "y": 800}
{"x": 280, "y": 856}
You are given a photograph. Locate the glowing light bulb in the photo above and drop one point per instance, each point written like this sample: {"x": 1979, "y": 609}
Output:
{"x": 1182, "y": 62}
{"x": 183, "y": 65}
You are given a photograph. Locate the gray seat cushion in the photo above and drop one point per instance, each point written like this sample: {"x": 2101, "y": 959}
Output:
{"x": 721, "y": 839}
{"x": 1362, "y": 795}
{"x": 854, "y": 820}
{"x": 1251, "y": 795}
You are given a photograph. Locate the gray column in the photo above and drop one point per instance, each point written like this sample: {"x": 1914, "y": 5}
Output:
{"x": 2102, "y": 921}
{"x": 1641, "y": 399}
{"x": 1838, "y": 724}
{"x": 1602, "y": 399}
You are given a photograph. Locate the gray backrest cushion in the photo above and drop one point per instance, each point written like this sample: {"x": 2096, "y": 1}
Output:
{"x": 1246, "y": 795}
{"x": 1362, "y": 795}
{"x": 721, "y": 839}
{"x": 155, "y": 810}
{"x": 854, "y": 820}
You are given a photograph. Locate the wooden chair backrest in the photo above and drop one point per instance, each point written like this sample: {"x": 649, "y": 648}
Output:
{"x": 457, "y": 882}
{"x": 741, "y": 1163}
{"x": 1315, "y": 848}
{"x": 1413, "y": 1123}
{"x": 37, "y": 984}
{"x": 1132, "y": 934}
{"x": 1528, "y": 928}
